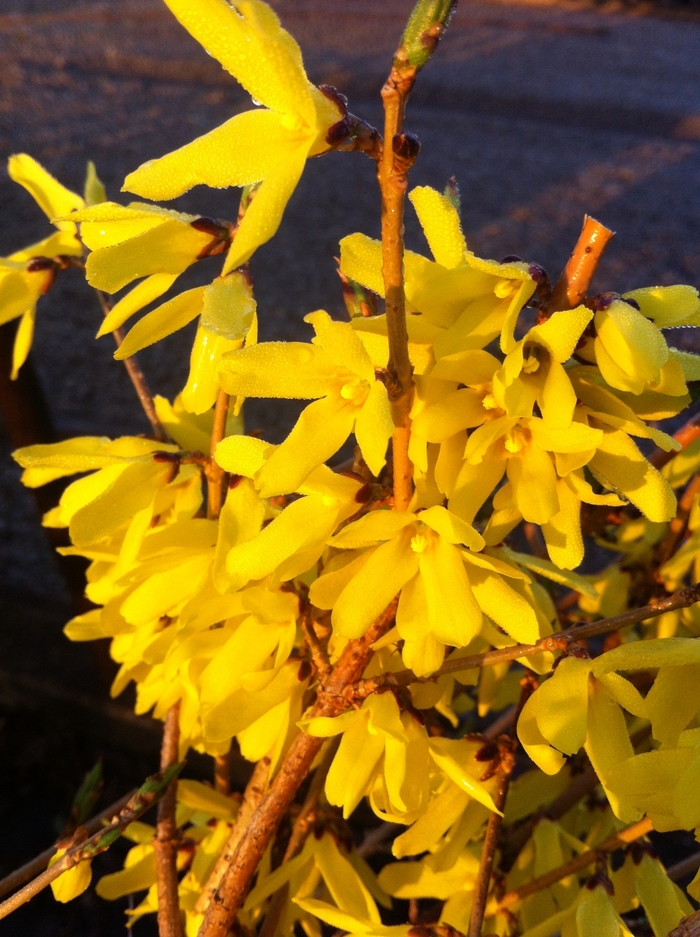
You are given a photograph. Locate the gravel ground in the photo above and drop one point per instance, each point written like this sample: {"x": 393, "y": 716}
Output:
{"x": 542, "y": 113}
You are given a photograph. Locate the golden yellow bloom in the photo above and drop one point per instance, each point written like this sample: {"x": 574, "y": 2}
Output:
{"x": 335, "y": 368}
{"x": 268, "y": 145}
{"x": 28, "y": 273}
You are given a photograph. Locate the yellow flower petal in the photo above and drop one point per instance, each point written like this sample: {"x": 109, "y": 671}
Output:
{"x": 595, "y": 914}
{"x": 504, "y": 605}
{"x": 561, "y": 332}
{"x": 136, "y": 877}
{"x": 620, "y": 464}
{"x": 534, "y": 481}
{"x": 563, "y": 705}
{"x": 372, "y": 589}
{"x": 562, "y": 532}
{"x": 441, "y": 226}
{"x": 608, "y": 745}
{"x": 264, "y": 214}
{"x": 141, "y": 295}
{"x": 445, "y": 417}
{"x": 23, "y": 341}
{"x": 533, "y": 741}
{"x": 454, "y": 614}
{"x": 251, "y": 44}
{"x": 53, "y": 198}
{"x": 668, "y": 306}
{"x": 279, "y": 369}
{"x": 375, "y": 526}
{"x": 320, "y": 431}
{"x": 71, "y": 883}
{"x": 476, "y": 482}
{"x": 169, "y": 248}
{"x": 374, "y": 426}
{"x": 451, "y": 527}
{"x": 163, "y": 321}
{"x": 243, "y": 150}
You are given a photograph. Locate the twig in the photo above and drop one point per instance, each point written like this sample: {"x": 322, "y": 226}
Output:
{"x": 420, "y": 38}
{"x": 147, "y": 795}
{"x": 507, "y": 748}
{"x": 165, "y": 842}
{"x": 686, "y": 435}
{"x": 300, "y": 831}
{"x": 319, "y": 655}
{"x": 222, "y": 773}
{"x": 254, "y": 793}
{"x": 555, "y": 642}
{"x": 217, "y": 476}
{"x": 677, "y": 527}
{"x": 375, "y": 839}
{"x": 685, "y": 867}
{"x": 331, "y": 701}
{"x": 578, "y": 863}
{"x": 136, "y": 375}
{"x": 572, "y": 286}
{"x": 39, "y": 863}
{"x": 688, "y": 927}
{"x": 581, "y": 785}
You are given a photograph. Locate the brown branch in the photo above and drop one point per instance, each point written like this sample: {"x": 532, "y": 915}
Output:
{"x": 216, "y": 477}
{"x": 678, "y": 525}
{"x": 581, "y": 786}
{"x": 300, "y": 831}
{"x": 136, "y": 376}
{"x": 572, "y": 286}
{"x": 222, "y": 773}
{"x": 40, "y": 862}
{"x": 165, "y": 841}
{"x": 578, "y": 863}
{"x": 683, "y": 868}
{"x": 86, "y": 849}
{"x": 686, "y": 435}
{"x": 507, "y": 747}
{"x": 319, "y": 655}
{"x": 555, "y": 642}
{"x": 331, "y": 701}
{"x": 253, "y": 795}
{"x": 688, "y": 927}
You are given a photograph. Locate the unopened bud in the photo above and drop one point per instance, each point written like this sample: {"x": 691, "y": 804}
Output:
{"x": 424, "y": 29}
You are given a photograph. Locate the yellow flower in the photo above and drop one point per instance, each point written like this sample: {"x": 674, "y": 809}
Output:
{"x": 629, "y": 347}
{"x": 131, "y": 473}
{"x": 151, "y": 244}
{"x": 380, "y": 746}
{"x": 72, "y": 882}
{"x": 28, "y": 273}
{"x": 444, "y": 588}
{"x": 335, "y": 368}
{"x": 465, "y": 300}
{"x": 348, "y": 879}
{"x": 269, "y": 145}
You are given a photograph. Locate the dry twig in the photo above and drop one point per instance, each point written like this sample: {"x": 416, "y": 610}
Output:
{"x": 331, "y": 701}
{"x": 165, "y": 842}
{"x": 578, "y": 863}
{"x": 555, "y": 642}
{"x": 147, "y": 795}
{"x": 572, "y": 286}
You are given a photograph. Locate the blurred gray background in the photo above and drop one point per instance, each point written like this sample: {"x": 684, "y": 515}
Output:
{"x": 543, "y": 113}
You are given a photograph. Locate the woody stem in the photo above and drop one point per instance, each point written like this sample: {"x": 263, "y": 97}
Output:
{"x": 398, "y": 155}
{"x": 572, "y": 286}
{"x": 165, "y": 841}
{"x": 136, "y": 376}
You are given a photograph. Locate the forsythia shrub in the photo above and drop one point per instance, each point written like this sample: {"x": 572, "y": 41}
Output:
{"x": 366, "y": 622}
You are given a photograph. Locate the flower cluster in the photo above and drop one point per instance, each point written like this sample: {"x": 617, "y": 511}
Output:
{"x": 521, "y": 417}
